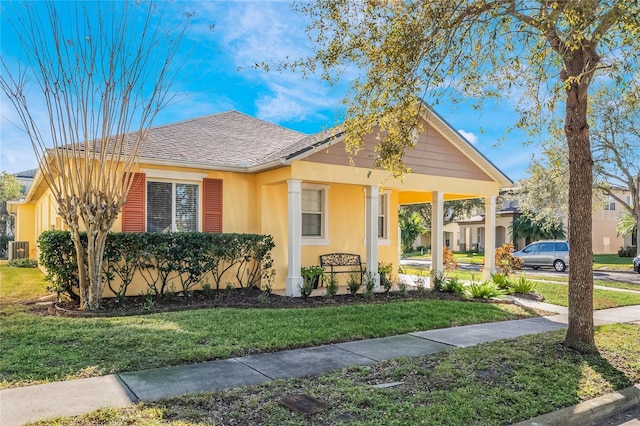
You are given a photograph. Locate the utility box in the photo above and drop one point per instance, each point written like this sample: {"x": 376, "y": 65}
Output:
{"x": 18, "y": 250}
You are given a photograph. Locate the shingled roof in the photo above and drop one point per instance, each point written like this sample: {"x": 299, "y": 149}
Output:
{"x": 230, "y": 139}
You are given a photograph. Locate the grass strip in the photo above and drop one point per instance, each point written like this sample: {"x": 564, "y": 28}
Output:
{"x": 489, "y": 384}
{"x": 44, "y": 348}
{"x": 557, "y": 294}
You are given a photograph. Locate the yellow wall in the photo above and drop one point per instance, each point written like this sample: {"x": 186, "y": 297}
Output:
{"x": 257, "y": 203}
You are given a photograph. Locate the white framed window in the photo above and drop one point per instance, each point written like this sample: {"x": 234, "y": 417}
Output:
{"x": 314, "y": 214}
{"x": 383, "y": 219}
{"x": 383, "y": 216}
{"x": 173, "y": 206}
{"x": 610, "y": 203}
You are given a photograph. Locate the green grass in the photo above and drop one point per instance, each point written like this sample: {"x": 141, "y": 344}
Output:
{"x": 601, "y": 261}
{"x": 44, "y": 348}
{"x": 490, "y": 384}
{"x": 612, "y": 261}
{"x": 602, "y": 299}
{"x": 18, "y": 284}
{"x": 603, "y": 283}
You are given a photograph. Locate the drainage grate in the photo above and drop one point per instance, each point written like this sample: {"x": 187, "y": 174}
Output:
{"x": 304, "y": 404}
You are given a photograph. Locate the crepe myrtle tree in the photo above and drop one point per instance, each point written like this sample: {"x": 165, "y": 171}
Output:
{"x": 398, "y": 53}
{"x": 103, "y": 71}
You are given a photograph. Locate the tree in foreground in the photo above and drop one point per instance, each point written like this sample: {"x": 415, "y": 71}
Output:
{"x": 615, "y": 126}
{"x": 401, "y": 52}
{"x": 103, "y": 70}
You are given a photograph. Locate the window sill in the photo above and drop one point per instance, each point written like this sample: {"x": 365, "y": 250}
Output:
{"x": 315, "y": 242}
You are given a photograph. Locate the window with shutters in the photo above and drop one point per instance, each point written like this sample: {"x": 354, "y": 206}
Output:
{"x": 172, "y": 206}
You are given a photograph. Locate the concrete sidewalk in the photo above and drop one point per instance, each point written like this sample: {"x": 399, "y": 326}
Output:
{"x": 75, "y": 397}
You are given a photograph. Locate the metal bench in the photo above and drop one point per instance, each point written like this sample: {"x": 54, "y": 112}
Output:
{"x": 342, "y": 263}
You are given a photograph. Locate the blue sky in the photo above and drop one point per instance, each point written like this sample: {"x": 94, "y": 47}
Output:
{"x": 218, "y": 76}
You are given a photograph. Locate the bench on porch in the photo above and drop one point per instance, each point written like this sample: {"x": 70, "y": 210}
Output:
{"x": 342, "y": 263}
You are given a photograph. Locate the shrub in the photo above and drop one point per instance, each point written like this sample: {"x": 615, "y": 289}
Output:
{"x": 332, "y": 286}
{"x": 23, "y": 263}
{"x": 384, "y": 269}
{"x": 448, "y": 259}
{"x": 402, "y": 287}
{"x": 523, "y": 285}
{"x": 438, "y": 281}
{"x": 183, "y": 257}
{"x": 354, "y": 283}
{"x": 628, "y": 251}
{"x": 455, "y": 286}
{"x": 369, "y": 285}
{"x": 506, "y": 261}
{"x": 306, "y": 288}
{"x": 484, "y": 290}
{"x": 501, "y": 281}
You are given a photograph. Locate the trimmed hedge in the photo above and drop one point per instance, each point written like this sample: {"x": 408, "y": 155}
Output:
{"x": 166, "y": 262}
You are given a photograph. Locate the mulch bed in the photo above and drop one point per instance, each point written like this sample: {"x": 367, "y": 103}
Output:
{"x": 237, "y": 298}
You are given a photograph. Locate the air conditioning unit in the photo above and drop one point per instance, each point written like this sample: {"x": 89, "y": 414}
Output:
{"x": 18, "y": 250}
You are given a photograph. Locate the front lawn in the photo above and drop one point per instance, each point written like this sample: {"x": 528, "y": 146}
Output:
{"x": 44, "y": 348}
{"x": 490, "y": 384}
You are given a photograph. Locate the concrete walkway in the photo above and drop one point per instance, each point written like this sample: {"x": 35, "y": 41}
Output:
{"x": 75, "y": 397}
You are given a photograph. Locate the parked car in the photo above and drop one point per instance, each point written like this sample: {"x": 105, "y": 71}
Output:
{"x": 636, "y": 264}
{"x": 546, "y": 253}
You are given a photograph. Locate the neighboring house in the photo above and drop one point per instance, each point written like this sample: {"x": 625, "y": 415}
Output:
{"x": 605, "y": 220}
{"x": 26, "y": 179}
{"x": 230, "y": 172}
{"x": 468, "y": 234}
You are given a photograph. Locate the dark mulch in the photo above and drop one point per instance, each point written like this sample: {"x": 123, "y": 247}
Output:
{"x": 237, "y": 298}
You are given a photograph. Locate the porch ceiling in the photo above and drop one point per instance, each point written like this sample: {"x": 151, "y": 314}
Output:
{"x": 417, "y": 197}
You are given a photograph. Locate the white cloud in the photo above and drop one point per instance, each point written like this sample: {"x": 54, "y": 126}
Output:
{"x": 471, "y": 137}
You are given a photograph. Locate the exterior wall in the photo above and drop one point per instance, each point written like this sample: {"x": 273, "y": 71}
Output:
{"x": 605, "y": 237}
{"x": 238, "y": 191}
{"x": 433, "y": 155}
{"x": 26, "y": 226}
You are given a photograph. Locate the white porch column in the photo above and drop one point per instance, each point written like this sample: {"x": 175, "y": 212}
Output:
{"x": 371, "y": 232}
{"x": 489, "y": 237}
{"x": 437, "y": 234}
{"x": 294, "y": 279}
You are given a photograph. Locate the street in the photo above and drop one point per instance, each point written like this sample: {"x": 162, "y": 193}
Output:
{"x": 620, "y": 276}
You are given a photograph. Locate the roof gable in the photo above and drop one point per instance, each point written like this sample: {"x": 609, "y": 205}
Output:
{"x": 432, "y": 155}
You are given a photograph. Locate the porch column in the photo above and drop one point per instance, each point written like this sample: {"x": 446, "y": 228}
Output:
{"x": 437, "y": 234}
{"x": 294, "y": 279}
{"x": 371, "y": 232}
{"x": 489, "y": 237}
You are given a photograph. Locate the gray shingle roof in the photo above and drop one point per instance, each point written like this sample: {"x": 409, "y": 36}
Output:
{"x": 26, "y": 174}
{"x": 229, "y": 139}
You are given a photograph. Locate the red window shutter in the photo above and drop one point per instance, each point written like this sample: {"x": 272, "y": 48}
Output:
{"x": 212, "y": 205}
{"x": 133, "y": 218}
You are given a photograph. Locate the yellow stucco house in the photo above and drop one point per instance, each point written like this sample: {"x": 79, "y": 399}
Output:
{"x": 230, "y": 172}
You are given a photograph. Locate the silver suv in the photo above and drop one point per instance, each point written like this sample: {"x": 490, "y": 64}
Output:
{"x": 553, "y": 253}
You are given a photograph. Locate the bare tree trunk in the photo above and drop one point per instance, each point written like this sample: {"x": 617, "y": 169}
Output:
{"x": 580, "y": 333}
{"x": 96, "y": 239}
{"x": 82, "y": 270}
